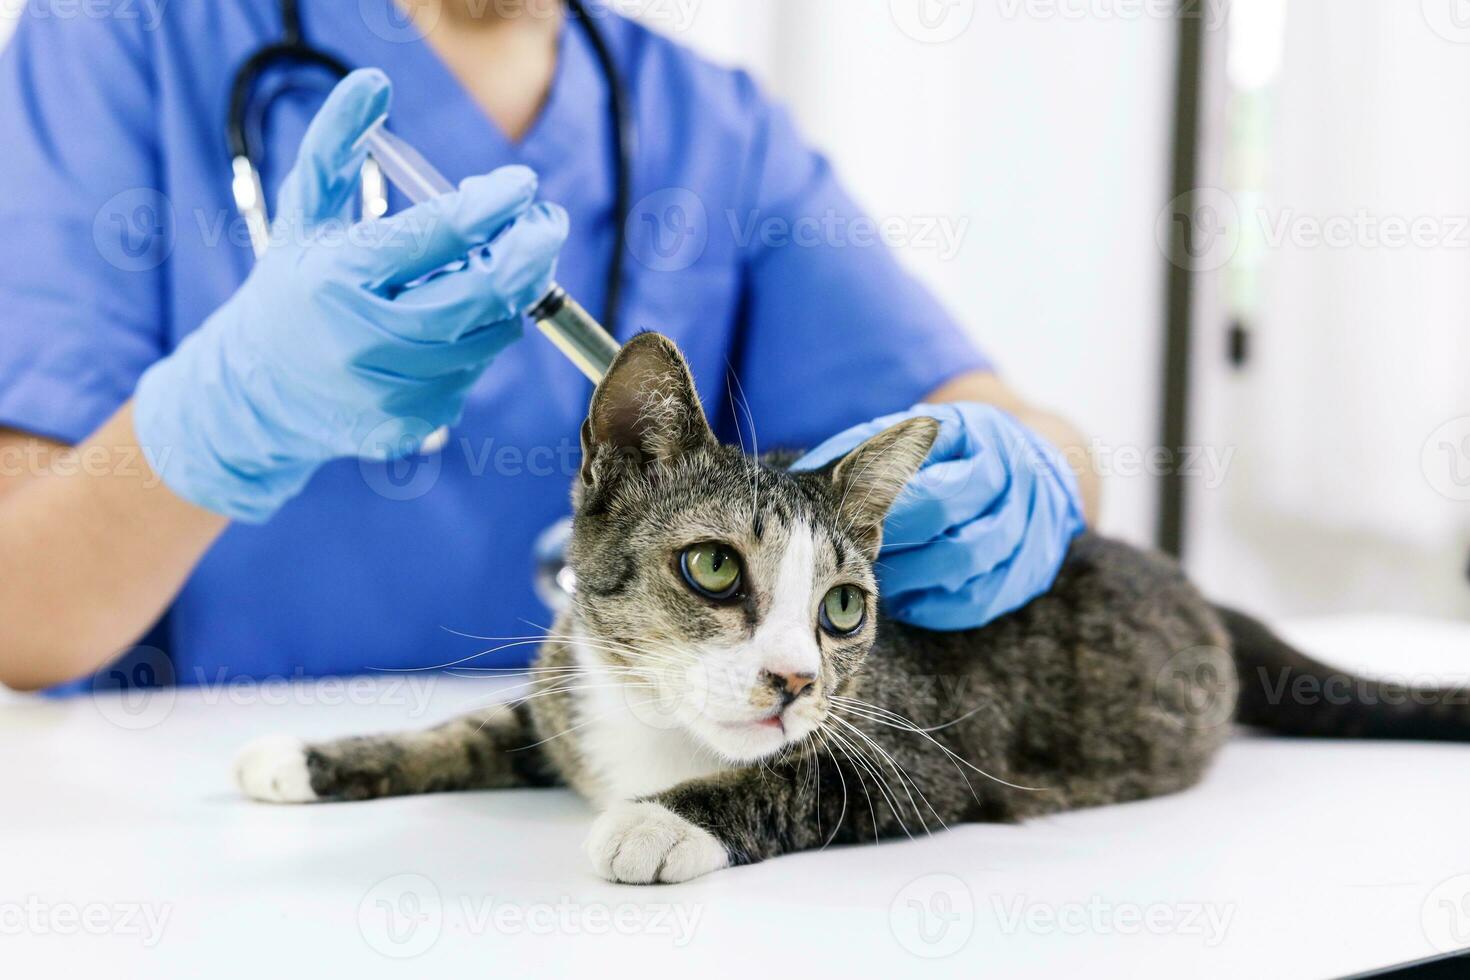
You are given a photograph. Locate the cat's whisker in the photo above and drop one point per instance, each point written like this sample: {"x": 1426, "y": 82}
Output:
{"x": 565, "y": 731}
{"x": 898, "y": 717}
{"x": 861, "y": 763}
{"x": 909, "y": 726}
{"x": 905, "y": 779}
{"x": 882, "y": 716}
{"x": 604, "y": 644}
{"x": 891, "y": 719}
{"x": 461, "y": 660}
{"x": 861, "y": 757}
{"x": 498, "y": 696}
{"x": 842, "y": 815}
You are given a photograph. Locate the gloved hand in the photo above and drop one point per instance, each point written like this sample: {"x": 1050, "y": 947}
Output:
{"x": 345, "y": 340}
{"x": 984, "y": 526}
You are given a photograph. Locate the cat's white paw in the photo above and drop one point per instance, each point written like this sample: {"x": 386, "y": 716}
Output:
{"x": 641, "y": 843}
{"x": 273, "y": 769}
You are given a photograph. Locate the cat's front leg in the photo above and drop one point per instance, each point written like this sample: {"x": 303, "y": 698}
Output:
{"x": 493, "y": 748}
{"x": 702, "y": 825}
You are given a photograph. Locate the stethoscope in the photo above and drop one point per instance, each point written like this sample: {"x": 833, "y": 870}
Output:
{"x": 247, "y": 115}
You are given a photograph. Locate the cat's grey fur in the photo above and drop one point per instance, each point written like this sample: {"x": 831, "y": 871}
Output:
{"x": 1117, "y": 684}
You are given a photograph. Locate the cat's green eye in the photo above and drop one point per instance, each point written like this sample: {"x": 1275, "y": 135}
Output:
{"x": 711, "y": 569}
{"x": 842, "y": 609}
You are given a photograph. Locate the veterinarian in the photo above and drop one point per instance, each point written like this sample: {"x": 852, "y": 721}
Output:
{"x": 207, "y": 463}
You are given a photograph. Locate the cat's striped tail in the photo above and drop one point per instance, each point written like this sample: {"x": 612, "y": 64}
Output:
{"x": 1283, "y": 690}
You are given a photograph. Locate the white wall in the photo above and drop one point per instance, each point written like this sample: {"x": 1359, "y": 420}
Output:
{"x": 1044, "y": 135}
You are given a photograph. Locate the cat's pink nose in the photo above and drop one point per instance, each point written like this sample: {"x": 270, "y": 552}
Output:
{"x": 789, "y": 685}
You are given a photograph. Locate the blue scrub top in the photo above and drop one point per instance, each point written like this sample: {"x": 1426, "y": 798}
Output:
{"x": 118, "y": 236}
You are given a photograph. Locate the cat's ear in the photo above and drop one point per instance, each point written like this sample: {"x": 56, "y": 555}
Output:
{"x": 869, "y": 479}
{"x": 646, "y": 409}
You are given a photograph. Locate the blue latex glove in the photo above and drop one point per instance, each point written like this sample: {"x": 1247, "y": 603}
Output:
{"x": 345, "y": 340}
{"x": 984, "y": 526}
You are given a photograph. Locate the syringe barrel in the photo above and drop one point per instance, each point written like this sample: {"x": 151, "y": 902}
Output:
{"x": 575, "y": 333}
{"x": 561, "y": 318}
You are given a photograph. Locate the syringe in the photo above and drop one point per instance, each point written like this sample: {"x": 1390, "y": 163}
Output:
{"x": 562, "y": 319}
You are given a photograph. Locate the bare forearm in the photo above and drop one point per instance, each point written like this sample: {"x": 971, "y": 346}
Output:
{"x": 988, "y": 388}
{"x": 93, "y": 548}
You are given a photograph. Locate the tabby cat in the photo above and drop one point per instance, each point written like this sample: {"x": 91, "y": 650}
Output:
{"x": 725, "y": 687}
